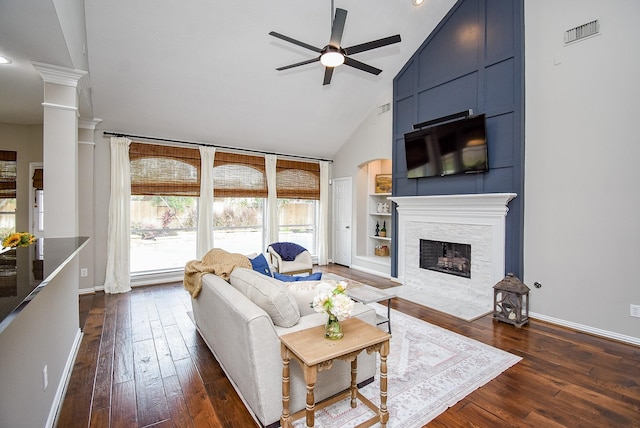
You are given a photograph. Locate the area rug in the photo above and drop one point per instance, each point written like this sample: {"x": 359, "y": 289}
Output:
{"x": 429, "y": 370}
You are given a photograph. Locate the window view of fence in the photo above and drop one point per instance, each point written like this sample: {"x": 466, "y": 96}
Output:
{"x": 163, "y": 232}
{"x": 163, "y": 228}
{"x": 297, "y": 222}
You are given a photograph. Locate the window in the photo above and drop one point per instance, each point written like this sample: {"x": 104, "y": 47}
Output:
{"x": 165, "y": 185}
{"x": 297, "y": 220}
{"x": 240, "y": 191}
{"x": 8, "y": 174}
{"x": 238, "y": 224}
{"x": 298, "y": 185}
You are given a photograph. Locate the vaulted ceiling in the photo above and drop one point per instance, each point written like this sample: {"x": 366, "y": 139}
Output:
{"x": 206, "y": 70}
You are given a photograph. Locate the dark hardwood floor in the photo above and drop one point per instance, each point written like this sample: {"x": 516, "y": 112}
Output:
{"x": 141, "y": 363}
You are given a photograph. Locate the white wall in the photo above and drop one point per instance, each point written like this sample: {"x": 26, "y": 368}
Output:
{"x": 86, "y": 207}
{"x": 582, "y": 201}
{"x": 45, "y": 333}
{"x": 372, "y": 140}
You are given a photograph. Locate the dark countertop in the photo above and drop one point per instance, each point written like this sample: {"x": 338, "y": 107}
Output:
{"x": 25, "y": 271}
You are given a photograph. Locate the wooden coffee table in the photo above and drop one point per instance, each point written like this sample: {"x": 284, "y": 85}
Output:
{"x": 314, "y": 353}
{"x": 367, "y": 294}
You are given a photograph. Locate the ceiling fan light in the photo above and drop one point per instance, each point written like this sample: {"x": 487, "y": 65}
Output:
{"x": 332, "y": 59}
{"x": 417, "y": 2}
{"x": 4, "y": 60}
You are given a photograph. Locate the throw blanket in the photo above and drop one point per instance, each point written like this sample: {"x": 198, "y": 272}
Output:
{"x": 287, "y": 250}
{"x": 216, "y": 261}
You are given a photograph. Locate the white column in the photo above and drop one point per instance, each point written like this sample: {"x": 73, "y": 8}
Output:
{"x": 60, "y": 149}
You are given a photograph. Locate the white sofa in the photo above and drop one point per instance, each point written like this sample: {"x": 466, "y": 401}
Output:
{"x": 244, "y": 339}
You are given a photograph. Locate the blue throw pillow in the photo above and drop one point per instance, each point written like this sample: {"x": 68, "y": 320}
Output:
{"x": 260, "y": 264}
{"x": 289, "y": 278}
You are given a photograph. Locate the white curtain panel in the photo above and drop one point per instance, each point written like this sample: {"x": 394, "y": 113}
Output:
{"x": 323, "y": 221}
{"x": 118, "y": 275}
{"x": 204, "y": 237}
{"x": 272, "y": 199}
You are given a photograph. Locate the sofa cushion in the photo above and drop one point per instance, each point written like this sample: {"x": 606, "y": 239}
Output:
{"x": 269, "y": 294}
{"x": 303, "y": 292}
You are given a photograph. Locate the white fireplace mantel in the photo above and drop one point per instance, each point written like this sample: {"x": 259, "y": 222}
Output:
{"x": 475, "y": 205}
{"x": 475, "y": 218}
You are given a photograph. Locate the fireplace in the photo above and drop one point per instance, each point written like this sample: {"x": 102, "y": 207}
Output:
{"x": 446, "y": 257}
{"x": 467, "y": 233}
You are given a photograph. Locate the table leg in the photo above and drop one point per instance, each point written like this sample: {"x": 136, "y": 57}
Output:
{"x": 284, "y": 419}
{"x": 310, "y": 377}
{"x": 384, "y": 413}
{"x": 354, "y": 383}
{"x": 389, "y": 315}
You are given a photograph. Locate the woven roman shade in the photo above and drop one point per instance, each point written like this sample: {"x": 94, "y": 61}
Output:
{"x": 38, "y": 179}
{"x": 164, "y": 170}
{"x": 297, "y": 180}
{"x": 175, "y": 171}
{"x": 237, "y": 175}
{"x": 8, "y": 173}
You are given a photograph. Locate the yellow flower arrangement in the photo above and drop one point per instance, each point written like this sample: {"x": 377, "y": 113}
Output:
{"x": 18, "y": 239}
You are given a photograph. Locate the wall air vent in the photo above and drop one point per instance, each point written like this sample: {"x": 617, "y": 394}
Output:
{"x": 384, "y": 108}
{"x": 581, "y": 32}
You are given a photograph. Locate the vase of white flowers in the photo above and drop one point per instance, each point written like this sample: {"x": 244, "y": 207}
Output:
{"x": 334, "y": 301}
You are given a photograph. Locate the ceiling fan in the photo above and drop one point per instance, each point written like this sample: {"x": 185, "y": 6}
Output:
{"x": 333, "y": 55}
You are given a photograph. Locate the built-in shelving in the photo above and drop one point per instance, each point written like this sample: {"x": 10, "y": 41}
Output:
{"x": 373, "y": 208}
{"x": 379, "y": 217}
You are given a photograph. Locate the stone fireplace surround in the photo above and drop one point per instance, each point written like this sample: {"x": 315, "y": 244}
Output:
{"x": 474, "y": 219}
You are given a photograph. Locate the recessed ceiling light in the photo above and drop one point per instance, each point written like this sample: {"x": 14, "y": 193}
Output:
{"x": 4, "y": 60}
{"x": 417, "y": 2}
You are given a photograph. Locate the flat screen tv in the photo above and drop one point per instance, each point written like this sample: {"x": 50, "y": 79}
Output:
{"x": 457, "y": 147}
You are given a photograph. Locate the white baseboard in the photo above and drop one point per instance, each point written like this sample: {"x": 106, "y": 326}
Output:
{"x": 64, "y": 382}
{"x": 371, "y": 271}
{"x": 587, "y": 329}
{"x": 159, "y": 278}
{"x": 140, "y": 281}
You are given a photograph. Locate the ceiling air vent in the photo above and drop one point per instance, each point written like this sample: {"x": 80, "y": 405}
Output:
{"x": 581, "y": 32}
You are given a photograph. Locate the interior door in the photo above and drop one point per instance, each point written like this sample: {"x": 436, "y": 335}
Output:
{"x": 342, "y": 215}
{"x": 36, "y": 198}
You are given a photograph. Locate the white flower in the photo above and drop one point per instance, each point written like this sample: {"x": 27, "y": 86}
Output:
{"x": 333, "y": 300}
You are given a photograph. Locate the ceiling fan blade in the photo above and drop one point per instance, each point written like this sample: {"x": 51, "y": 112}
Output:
{"x": 373, "y": 45}
{"x": 328, "y": 72}
{"x": 294, "y": 41}
{"x": 337, "y": 27}
{"x": 361, "y": 66}
{"x": 297, "y": 64}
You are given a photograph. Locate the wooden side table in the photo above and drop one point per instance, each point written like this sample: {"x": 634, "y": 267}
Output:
{"x": 314, "y": 353}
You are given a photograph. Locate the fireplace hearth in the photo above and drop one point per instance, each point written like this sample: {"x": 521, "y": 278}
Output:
{"x": 446, "y": 257}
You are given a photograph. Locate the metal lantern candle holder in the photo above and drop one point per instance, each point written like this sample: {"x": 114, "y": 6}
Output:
{"x": 511, "y": 301}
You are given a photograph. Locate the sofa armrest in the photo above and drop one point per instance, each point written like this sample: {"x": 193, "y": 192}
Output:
{"x": 304, "y": 257}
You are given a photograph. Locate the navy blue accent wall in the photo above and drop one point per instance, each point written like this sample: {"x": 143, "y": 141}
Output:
{"x": 472, "y": 60}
